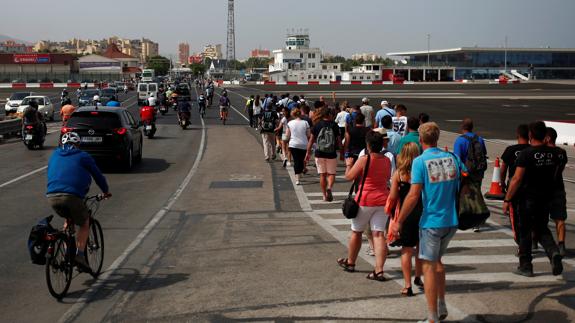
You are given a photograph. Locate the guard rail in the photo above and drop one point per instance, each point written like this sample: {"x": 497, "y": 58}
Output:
{"x": 10, "y": 127}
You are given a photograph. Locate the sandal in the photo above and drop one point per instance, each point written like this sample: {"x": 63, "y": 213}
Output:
{"x": 407, "y": 292}
{"x": 344, "y": 263}
{"x": 376, "y": 276}
{"x": 417, "y": 282}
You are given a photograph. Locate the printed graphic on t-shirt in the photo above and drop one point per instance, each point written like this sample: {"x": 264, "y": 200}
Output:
{"x": 400, "y": 125}
{"x": 441, "y": 169}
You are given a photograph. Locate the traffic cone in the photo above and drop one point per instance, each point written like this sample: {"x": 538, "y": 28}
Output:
{"x": 496, "y": 191}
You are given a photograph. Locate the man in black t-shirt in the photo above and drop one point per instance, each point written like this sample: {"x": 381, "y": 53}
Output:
{"x": 558, "y": 209}
{"x": 325, "y": 134}
{"x": 508, "y": 160}
{"x": 533, "y": 184}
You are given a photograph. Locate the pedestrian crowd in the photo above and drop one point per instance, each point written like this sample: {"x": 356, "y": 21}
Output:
{"x": 407, "y": 189}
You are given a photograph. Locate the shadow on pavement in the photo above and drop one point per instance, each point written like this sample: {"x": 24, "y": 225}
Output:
{"x": 146, "y": 166}
{"x": 128, "y": 280}
{"x": 542, "y": 316}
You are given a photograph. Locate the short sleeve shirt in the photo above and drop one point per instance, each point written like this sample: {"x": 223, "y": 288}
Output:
{"x": 367, "y": 111}
{"x": 317, "y": 128}
{"x": 400, "y": 125}
{"x": 439, "y": 174}
{"x": 510, "y": 157}
{"x": 298, "y": 133}
{"x": 542, "y": 167}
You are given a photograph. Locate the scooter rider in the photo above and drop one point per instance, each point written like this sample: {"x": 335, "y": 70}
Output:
{"x": 202, "y": 102}
{"x": 184, "y": 109}
{"x": 32, "y": 117}
{"x": 152, "y": 100}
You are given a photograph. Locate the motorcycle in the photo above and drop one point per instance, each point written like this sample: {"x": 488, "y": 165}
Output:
{"x": 163, "y": 109}
{"x": 149, "y": 129}
{"x": 32, "y": 138}
{"x": 184, "y": 120}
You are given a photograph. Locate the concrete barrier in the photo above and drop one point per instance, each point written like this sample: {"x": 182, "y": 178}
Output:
{"x": 10, "y": 127}
{"x": 565, "y": 131}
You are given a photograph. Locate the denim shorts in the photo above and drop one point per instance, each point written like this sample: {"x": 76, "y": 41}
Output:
{"x": 433, "y": 242}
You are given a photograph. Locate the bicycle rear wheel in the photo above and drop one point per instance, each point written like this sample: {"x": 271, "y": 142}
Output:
{"x": 59, "y": 269}
{"x": 95, "y": 248}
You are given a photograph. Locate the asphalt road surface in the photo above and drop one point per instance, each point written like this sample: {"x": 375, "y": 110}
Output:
{"x": 204, "y": 230}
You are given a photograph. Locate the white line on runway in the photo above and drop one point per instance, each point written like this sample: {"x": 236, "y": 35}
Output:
{"x": 85, "y": 299}
{"x": 23, "y": 176}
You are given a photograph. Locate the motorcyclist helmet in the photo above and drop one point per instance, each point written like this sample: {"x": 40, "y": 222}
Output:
{"x": 70, "y": 138}
{"x": 33, "y": 104}
{"x": 96, "y": 98}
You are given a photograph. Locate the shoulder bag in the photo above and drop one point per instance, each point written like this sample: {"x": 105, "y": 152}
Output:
{"x": 350, "y": 206}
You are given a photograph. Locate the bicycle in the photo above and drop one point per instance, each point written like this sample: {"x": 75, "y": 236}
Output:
{"x": 202, "y": 110}
{"x": 62, "y": 250}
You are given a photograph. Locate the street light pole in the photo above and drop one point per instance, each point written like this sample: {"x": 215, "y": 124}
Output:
{"x": 428, "y": 49}
{"x": 505, "y": 53}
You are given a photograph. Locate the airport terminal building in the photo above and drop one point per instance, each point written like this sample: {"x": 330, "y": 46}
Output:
{"x": 474, "y": 63}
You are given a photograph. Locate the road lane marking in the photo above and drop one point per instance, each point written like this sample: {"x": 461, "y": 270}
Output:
{"x": 23, "y": 176}
{"x": 85, "y": 299}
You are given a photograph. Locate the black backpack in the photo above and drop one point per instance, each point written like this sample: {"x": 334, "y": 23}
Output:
{"x": 476, "y": 162}
{"x": 268, "y": 124}
{"x": 326, "y": 140}
{"x": 37, "y": 242}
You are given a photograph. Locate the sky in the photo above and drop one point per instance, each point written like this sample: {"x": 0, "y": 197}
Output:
{"x": 337, "y": 26}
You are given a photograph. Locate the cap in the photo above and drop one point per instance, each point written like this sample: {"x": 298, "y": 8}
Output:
{"x": 382, "y": 132}
{"x": 384, "y": 102}
{"x": 365, "y": 100}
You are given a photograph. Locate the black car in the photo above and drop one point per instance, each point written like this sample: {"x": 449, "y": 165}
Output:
{"x": 107, "y": 94}
{"x": 87, "y": 97}
{"x": 108, "y": 134}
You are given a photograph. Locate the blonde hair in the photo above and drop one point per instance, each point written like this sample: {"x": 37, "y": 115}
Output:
{"x": 429, "y": 133}
{"x": 408, "y": 153}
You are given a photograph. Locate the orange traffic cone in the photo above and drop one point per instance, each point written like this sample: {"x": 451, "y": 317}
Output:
{"x": 446, "y": 149}
{"x": 496, "y": 191}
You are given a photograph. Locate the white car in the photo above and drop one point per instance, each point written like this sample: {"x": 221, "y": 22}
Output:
{"x": 44, "y": 106}
{"x": 13, "y": 102}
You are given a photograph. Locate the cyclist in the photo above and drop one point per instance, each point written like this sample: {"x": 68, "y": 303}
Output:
{"x": 70, "y": 172}
{"x": 113, "y": 102}
{"x": 224, "y": 105}
{"x": 202, "y": 103}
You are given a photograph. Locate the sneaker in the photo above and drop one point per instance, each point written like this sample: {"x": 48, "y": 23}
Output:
{"x": 524, "y": 271}
{"x": 442, "y": 310}
{"x": 557, "y": 264}
{"x": 476, "y": 229}
{"x": 285, "y": 163}
{"x": 297, "y": 182}
{"x": 329, "y": 196}
{"x": 370, "y": 252}
{"x": 562, "y": 250}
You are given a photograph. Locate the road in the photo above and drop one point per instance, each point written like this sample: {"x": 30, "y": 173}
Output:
{"x": 204, "y": 230}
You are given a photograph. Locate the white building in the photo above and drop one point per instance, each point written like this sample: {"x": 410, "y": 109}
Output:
{"x": 300, "y": 62}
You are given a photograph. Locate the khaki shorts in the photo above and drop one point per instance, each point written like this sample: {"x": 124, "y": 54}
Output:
{"x": 326, "y": 165}
{"x": 70, "y": 207}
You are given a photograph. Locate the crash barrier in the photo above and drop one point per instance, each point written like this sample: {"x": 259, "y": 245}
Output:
{"x": 10, "y": 127}
{"x": 334, "y": 82}
{"x": 20, "y": 86}
{"x": 565, "y": 131}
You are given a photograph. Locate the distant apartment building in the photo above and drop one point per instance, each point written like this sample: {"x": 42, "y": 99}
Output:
{"x": 183, "y": 53}
{"x": 369, "y": 57}
{"x": 142, "y": 49}
{"x": 261, "y": 53}
{"x": 12, "y": 47}
{"x": 212, "y": 52}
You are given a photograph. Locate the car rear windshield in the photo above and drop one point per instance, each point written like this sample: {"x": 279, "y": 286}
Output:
{"x": 152, "y": 88}
{"x": 19, "y": 95}
{"x": 27, "y": 101}
{"x": 108, "y": 92}
{"x": 95, "y": 119}
{"x": 89, "y": 93}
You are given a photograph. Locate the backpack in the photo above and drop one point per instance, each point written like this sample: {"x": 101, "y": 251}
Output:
{"x": 37, "y": 242}
{"x": 268, "y": 124}
{"x": 326, "y": 140}
{"x": 476, "y": 162}
{"x": 224, "y": 101}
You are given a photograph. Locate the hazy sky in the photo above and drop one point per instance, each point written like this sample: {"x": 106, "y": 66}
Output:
{"x": 338, "y": 27}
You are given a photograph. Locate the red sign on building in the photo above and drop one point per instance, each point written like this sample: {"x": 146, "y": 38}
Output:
{"x": 195, "y": 59}
{"x": 31, "y": 58}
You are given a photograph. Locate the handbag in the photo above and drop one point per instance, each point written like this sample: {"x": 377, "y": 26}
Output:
{"x": 350, "y": 206}
{"x": 471, "y": 208}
